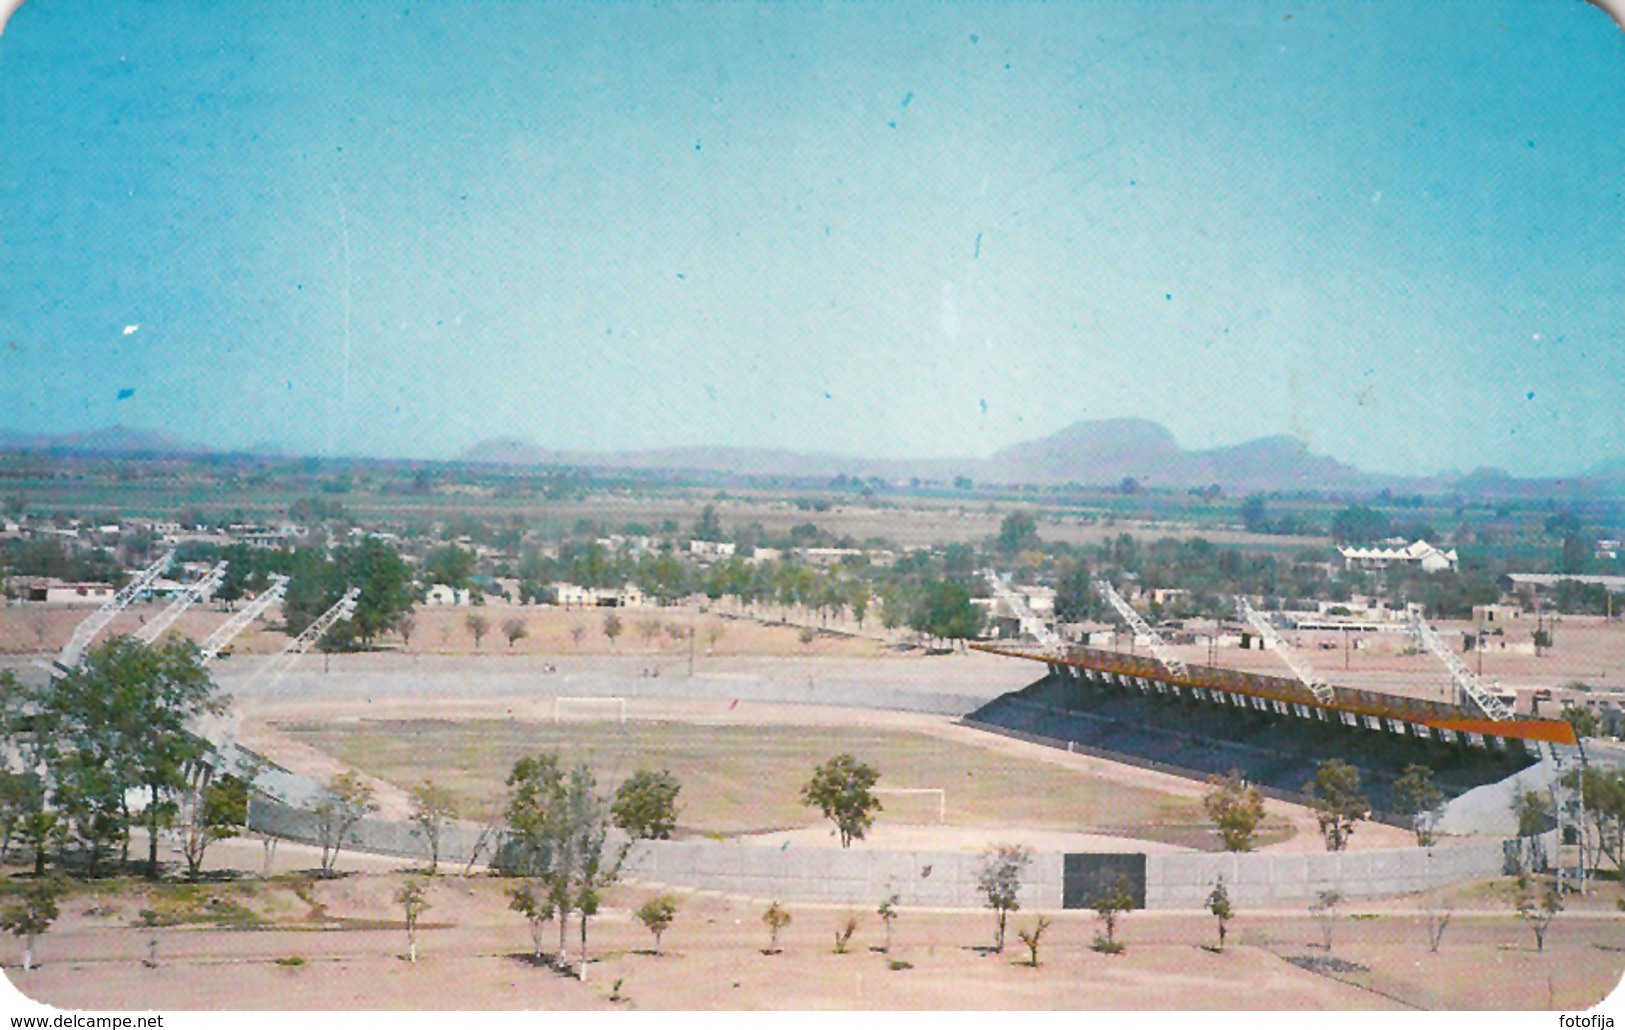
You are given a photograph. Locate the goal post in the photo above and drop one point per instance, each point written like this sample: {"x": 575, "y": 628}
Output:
{"x": 560, "y": 705}
{"x": 941, "y": 795}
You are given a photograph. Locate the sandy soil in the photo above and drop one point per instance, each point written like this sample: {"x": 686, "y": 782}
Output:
{"x": 474, "y": 955}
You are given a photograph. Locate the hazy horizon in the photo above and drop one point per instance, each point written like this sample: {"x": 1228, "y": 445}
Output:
{"x": 901, "y": 230}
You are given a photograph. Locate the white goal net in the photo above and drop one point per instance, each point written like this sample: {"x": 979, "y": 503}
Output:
{"x": 915, "y": 804}
{"x": 589, "y": 708}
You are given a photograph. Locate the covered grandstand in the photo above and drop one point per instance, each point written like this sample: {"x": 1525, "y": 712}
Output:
{"x": 1206, "y": 721}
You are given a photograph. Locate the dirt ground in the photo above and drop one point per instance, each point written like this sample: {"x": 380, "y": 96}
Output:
{"x": 338, "y": 944}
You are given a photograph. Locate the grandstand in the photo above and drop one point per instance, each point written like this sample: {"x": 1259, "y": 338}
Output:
{"x": 1207, "y": 721}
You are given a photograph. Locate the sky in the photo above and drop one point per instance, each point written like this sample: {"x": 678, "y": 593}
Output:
{"x": 1395, "y": 231}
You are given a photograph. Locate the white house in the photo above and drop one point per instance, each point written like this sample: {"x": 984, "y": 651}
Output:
{"x": 441, "y": 595}
{"x": 79, "y": 593}
{"x": 710, "y": 550}
{"x": 1420, "y": 554}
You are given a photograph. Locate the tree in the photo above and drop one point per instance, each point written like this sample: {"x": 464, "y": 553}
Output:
{"x": 1533, "y": 810}
{"x": 32, "y": 914}
{"x": 1254, "y": 517}
{"x": 612, "y": 627}
{"x": 1584, "y": 720}
{"x": 708, "y": 527}
{"x": 530, "y": 900}
{"x": 1109, "y": 906}
{"x": 214, "y": 808}
{"x": 450, "y": 566}
{"x": 657, "y": 915}
{"x": 888, "y": 915}
{"x": 1359, "y": 525}
{"x": 646, "y": 805}
{"x": 1415, "y": 796}
{"x": 1018, "y": 532}
{"x": 432, "y": 808}
{"x": 576, "y": 633}
{"x": 1236, "y": 808}
{"x": 776, "y": 919}
{"x": 119, "y": 721}
{"x": 514, "y": 629}
{"x": 945, "y": 610}
{"x": 999, "y": 881}
{"x": 1324, "y": 909}
{"x": 413, "y": 904}
{"x": 1538, "y": 907}
{"x": 345, "y": 801}
{"x": 1335, "y": 796}
{"x": 318, "y": 581}
{"x": 1218, "y": 903}
{"x": 478, "y": 625}
{"x": 843, "y": 789}
{"x": 405, "y": 626}
{"x": 1031, "y": 938}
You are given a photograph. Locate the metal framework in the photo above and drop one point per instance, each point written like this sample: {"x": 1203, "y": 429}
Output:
{"x": 1029, "y": 620}
{"x": 98, "y": 620}
{"x": 1468, "y": 684}
{"x": 1294, "y": 661}
{"x": 228, "y": 630}
{"x": 283, "y": 660}
{"x": 166, "y": 618}
{"x": 1172, "y": 662}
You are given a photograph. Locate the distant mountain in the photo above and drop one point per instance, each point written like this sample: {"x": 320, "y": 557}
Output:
{"x": 1091, "y": 452}
{"x": 107, "y": 440}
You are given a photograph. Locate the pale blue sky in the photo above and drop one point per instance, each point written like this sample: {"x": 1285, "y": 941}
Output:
{"x": 1391, "y": 229}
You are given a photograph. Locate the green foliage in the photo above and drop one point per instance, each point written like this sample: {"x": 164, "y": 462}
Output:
{"x": 413, "y": 899}
{"x": 449, "y": 565}
{"x": 1359, "y": 525}
{"x": 843, "y": 789}
{"x": 944, "y": 610}
{"x": 432, "y": 808}
{"x": 1324, "y": 911}
{"x": 1533, "y": 811}
{"x": 216, "y": 808}
{"x": 1583, "y": 719}
{"x": 613, "y": 627}
{"x": 1537, "y": 906}
{"x": 1032, "y": 937}
{"x": 478, "y": 625}
{"x": 557, "y": 833}
{"x": 1018, "y": 532}
{"x": 345, "y": 801}
{"x": 121, "y": 720}
{"x": 530, "y": 899}
{"x": 1109, "y": 907}
{"x": 888, "y": 915}
{"x": 776, "y": 918}
{"x": 657, "y": 915}
{"x": 34, "y": 909}
{"x": 317, "y": 581}
{"x": 999, "y": 881}
{"x": 1218, "y": 903}
{"x": 1416, "y": 796}
{"x": 646, "y": 805}
{"x": 1335, "y": 796}
{"x": 1237, "y": 808}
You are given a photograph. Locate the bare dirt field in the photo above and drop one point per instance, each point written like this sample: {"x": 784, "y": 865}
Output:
{"x": 304, "y": 943}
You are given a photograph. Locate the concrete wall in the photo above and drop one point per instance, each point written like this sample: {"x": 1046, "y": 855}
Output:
{"x": 1183, "y": 880}
{"x": 864, "y": 876}
{"x": 860, "y": 876}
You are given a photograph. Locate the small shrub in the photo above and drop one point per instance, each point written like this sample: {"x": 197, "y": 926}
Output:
{"x": 290, "y": 961}
{"x": 1107, "y": 946}
{"x": 898, "y": 963}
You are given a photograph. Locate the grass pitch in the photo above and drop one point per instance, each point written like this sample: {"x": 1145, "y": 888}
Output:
{"x": 747, "y": 779}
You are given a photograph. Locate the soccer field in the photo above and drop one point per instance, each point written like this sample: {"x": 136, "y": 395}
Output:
{"x": 746, "y": 779}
